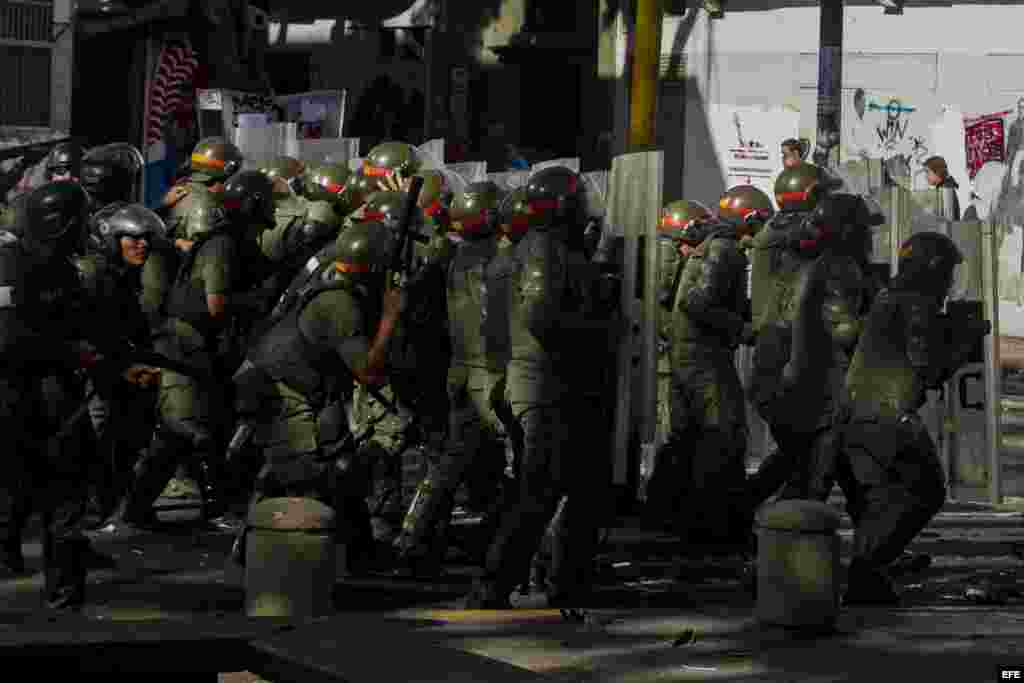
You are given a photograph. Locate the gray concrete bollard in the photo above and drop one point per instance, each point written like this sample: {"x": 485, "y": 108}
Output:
{"x": 798, "y": 564}
{"x": 290, "y": 562}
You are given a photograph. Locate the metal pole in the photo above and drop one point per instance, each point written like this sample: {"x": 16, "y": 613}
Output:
{"x": 643, "y": 93}
{"x": 830, "y": 81}
{"x": 993, "y": 375}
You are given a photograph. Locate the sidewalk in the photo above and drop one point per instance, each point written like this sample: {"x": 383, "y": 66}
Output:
{"x": 646, "y": 626}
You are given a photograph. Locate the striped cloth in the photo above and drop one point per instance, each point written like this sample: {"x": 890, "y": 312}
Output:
{"x": 175, "y": 70}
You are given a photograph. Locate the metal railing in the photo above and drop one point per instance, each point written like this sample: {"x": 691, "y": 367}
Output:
{"x": 26, "y": 22}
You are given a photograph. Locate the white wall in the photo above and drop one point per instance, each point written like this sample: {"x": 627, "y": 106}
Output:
{"x": 967, "y": 59}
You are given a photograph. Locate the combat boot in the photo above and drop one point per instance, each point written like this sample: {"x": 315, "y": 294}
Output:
{"x": 869, "y": 586}
{"x": 64, "y": 587}
{"x": 12, "y": 561}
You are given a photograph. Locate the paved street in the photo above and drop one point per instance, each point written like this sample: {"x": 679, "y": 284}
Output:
{"x": 656, "y": 618}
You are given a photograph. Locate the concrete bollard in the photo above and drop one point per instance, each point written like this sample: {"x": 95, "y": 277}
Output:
{"x": 290, "y": 563}
{"x": 798, "y": 564}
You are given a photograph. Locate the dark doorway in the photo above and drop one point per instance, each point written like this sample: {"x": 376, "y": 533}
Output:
{"x": 289, "y": 72}
{"x": 550, "y": 108}
{"x": 104, "y": 108}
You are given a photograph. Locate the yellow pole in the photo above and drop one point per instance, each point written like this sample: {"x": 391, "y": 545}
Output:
{"x": 643, "y": 92}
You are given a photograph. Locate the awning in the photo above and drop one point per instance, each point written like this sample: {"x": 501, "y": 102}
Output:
{"x": 93, "y": 24}
{"x": 360, "y": 11}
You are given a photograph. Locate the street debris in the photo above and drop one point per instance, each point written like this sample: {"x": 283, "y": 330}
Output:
{"x": 687, "y": 637}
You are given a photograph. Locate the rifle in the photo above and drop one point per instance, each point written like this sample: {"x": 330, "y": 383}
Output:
{"x": 401, "y": 260}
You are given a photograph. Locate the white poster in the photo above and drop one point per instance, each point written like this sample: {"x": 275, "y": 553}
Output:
{"x": 888, "y": 125}
{"x": 748, "y": 143}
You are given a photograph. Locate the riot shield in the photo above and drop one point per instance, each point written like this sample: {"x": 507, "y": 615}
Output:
{"x": 573, "y": 164}
{"x": 473, "y": 171}
{"x": 429, "y": 157}
{"x": 634, "y": 206}
{"x": 509, "y": 180}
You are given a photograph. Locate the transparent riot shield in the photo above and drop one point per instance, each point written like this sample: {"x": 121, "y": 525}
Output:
{"x": 964, "y": 418}
{"x": 473, "y": 171}
{"x": 634, "y": 202}
{"x": 429, "y": 158}
{"x": 509, "y": 180}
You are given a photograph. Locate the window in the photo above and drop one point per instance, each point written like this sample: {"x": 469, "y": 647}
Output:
{"x": 26, "y": 57}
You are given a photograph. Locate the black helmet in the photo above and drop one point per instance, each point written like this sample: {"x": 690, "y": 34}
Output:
{"x": 555, "y": 193}
{"x": 926, "y": 264}
{"x": 56, "y": 211}
{"x": 134, "y": 220}
{"x": 474, "y": 210}
{"x": 106, "y": 176}
{"x": 364, "y": 248}
{"x": 249, "y": 196}
{"x": 65, "y": 160}
{"x": 846, "y": 221}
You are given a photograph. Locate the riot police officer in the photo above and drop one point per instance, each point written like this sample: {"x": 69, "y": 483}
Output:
{"x": 213, "y": 161}
{"x": 476, "y": 305}
{"x": 710, "y": 320}
{"x": 111, "y": 275}
{"x": 779, "y": 255}
{"x": 880, "y": 451}
{"x": 42, "y": 317}
{"x": 299, "y": 377}
{"x": 683, "y": 225}
{"x": 805, "y": 352}
{"x": 109, "y": 183}
{"x": 209, "y": 291}
{"x": 552, "y": 315}
{"x": 302, "y": 225}
{"x": 64, "y": 162}
{"x": 392, "y": 158}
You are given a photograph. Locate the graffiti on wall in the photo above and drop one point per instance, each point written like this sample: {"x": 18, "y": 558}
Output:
{"x": 891, "y": 127}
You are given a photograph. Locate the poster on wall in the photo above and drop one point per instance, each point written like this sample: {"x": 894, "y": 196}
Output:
{"x": 748, "y": 143}
{"x": 888, "y": 125}
{"x": 318, "y": 114}
{"x": 984, "y": 141}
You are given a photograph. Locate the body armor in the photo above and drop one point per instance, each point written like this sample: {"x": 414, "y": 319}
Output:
{"x": 712, "y": 300}
{"x": 199, "y": 195}
{"x": 286, "y": 356}
{"x": 475, "y": 305}
{"x": 187, "y": 298}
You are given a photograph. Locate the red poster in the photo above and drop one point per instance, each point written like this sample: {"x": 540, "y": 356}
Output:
{"x": 983, "y": 139}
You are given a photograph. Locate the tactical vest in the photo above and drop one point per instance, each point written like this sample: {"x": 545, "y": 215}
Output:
{"x": 178, "y": 225}
{"x": 469, "y": 298}
{"x": 47, "y": 300}
{"x": 881, "y": 380}
{"x": 687, "y": 331}
{"x": 286, "y": 356}
{"x": 187, "y": 298}
{"x": 773, "y": 269}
